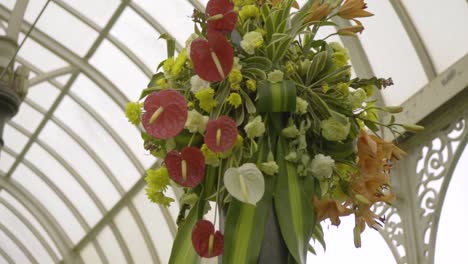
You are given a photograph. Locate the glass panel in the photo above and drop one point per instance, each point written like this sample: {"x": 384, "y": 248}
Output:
{"x": 14, "y": 139}
{"x": 63, "y": 79}
{"x": 132, "y": 235}
{"x": 140, "y": 37}
{"x": 90, "y": 93}
{"x": 440, "y": 24}
{"x": 39, "y": 56}
{"x": 79, "y": 160}
{"x": 90, "y": 255}
{"x": 98, "y": 11}
{"x": 110, "y": 246}
{"x": 6, "y": 161}
{"x": 28, "y": 117}
{"x": 43, "y": 94}
{"x": 33, "y": 9}
{"x": 9, "y": 3}
{"x": 65, "y": 182}
{"x": 49, "y": 199}
{"x": 175, "y": 18}
{"x": 156, "y": 225}
{"x": 105, "y": 147}
{"x": 450, "y": 235}
{"x": 81, "y": 39}
{"x": 128, "y": 78}
{"x": 397, "y": 60}
{"x": 18, "y": 206}
{"x": 8, "y": 219}
{"x": 12, "y": 249}
{"x": 174, "y": 208}
{"x": 340, "y": 245}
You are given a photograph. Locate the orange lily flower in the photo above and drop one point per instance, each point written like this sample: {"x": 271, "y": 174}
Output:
{"x": 318, "y": 11}
{"x": 353, "y": 9}
{"x": 332, "y": 209}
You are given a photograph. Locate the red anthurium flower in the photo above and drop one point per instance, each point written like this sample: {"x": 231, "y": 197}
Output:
{"x": 212, "y": 58}
{"x": 206, "y": 242}
{"x": 221, "y": 134}
{"x": 221, "y": 15}
{"x": 187, "y": 168}
{"x": 165, "y": 114}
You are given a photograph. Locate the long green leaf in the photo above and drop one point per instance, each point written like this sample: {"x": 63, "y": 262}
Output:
{"x": 293, "y": 205}
{"x": 276, "y": 97}
{"x": 243, "y": 236}
{"x": 182, "y": 249}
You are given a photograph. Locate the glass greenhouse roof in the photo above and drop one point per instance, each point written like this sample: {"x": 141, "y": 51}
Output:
{"x": 71, "y": 168}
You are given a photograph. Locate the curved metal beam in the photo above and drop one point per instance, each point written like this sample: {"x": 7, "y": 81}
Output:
{"x": 197, "y": 5}
{"x": 57, "y": 234}
{"x": 50, "y": 75}
{"x": 96, "y": 159}
{"x": 97, "y": 117}
{"x": 80, "y": 181}
{"x": 31, "y": 228}
{"x": 20, "y": 244}
{"x": 415, "y": 38}
{"x": 6, "y": 257}
{"x": 76, "y": 213}
{"x": 136, "y": 188}
{"x": 122, "y": 47}
{"x": 155, "y": 24}
{"x": 67, "y": 55}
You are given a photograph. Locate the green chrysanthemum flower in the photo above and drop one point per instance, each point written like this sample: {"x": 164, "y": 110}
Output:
{"x": 133, "y": 113}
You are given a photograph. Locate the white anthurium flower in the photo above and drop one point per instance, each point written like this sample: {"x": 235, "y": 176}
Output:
{"x": 245, "y": 183}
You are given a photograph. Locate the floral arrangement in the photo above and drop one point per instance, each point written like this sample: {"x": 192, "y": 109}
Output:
{"x": 256, "y": 114}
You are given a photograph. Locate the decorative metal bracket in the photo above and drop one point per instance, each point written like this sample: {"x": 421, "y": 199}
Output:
{"x": 421, "y": 183}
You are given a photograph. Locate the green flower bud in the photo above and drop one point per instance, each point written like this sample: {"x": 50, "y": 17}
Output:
{"x": 393, "y": 109}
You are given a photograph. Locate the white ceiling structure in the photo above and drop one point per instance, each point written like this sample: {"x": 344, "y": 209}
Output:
{"x": 71, "y": 185}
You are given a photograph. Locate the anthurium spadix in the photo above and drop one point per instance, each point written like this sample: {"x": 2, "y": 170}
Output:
{"x": 245, "y": 183}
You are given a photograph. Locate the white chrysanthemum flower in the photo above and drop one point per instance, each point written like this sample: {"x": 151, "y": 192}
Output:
{"x": 322, "y": 166}
{"x": 275, "y": 76}
{"x": 196, "y": 122}
{"x": 301, "y": 105}
{"x": 251, "y": 41}
{"x": 255, "y": 128}
{"x": 198, "y": 84}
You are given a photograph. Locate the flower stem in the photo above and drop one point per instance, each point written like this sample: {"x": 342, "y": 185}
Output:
{"x": 217, "y": 189}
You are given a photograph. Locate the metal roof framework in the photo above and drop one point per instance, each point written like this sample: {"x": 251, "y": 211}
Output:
{"x": 64, "y": 249}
